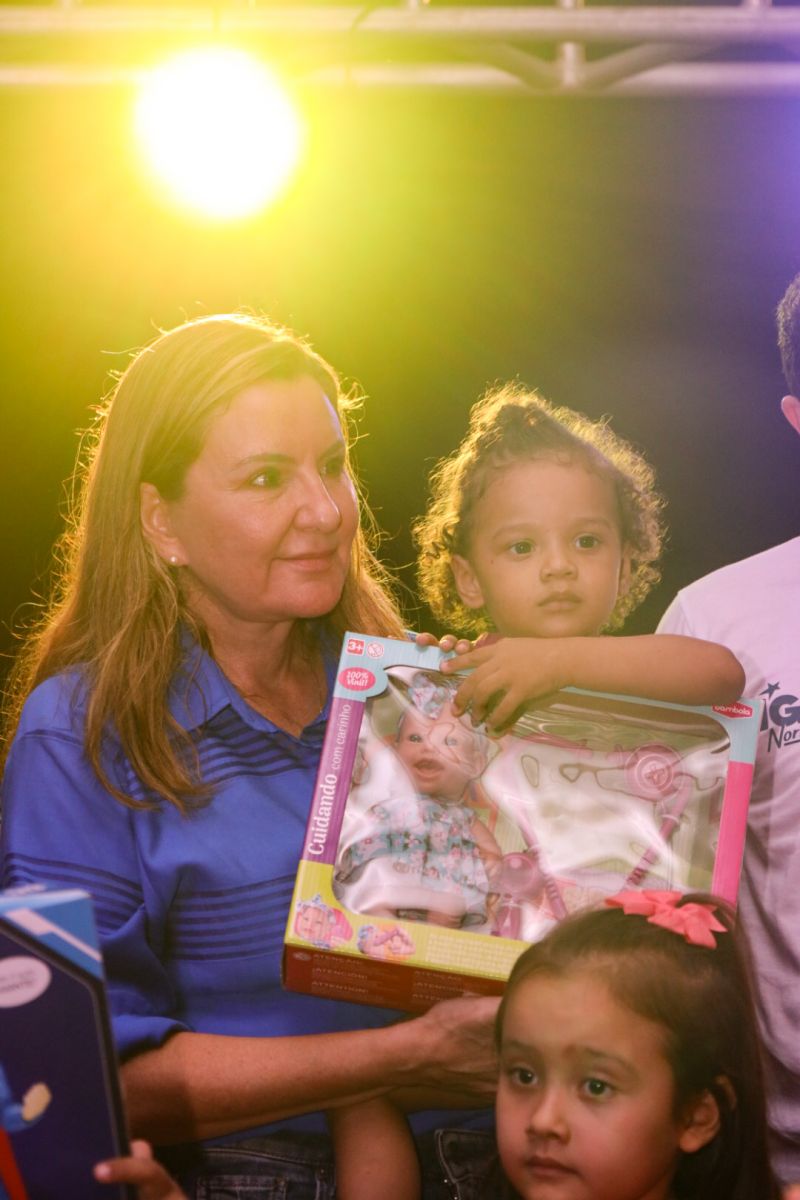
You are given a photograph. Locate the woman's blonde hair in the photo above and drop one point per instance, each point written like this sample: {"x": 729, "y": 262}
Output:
{"x": 510, "y": 424}
{"x": 116, "y": 611}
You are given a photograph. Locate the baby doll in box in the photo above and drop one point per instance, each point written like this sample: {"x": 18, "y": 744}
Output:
{"x": 415, "y": 842}
{"x": 505, "y": 836}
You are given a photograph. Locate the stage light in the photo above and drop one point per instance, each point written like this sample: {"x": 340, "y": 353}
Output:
{"x": 219, "y": 131}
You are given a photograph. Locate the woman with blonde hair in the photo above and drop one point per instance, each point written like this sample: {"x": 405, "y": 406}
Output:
{"x": 164, "y": 725}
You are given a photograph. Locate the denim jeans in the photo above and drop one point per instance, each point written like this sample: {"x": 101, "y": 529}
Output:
{"x": 456, "y": 1164}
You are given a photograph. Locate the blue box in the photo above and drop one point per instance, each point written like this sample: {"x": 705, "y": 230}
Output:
{"x": 60, "y": 1103}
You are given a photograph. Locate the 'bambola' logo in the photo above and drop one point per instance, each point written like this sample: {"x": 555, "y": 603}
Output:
{"x": 733, "y": 710}
{"x": 781, "y": 718}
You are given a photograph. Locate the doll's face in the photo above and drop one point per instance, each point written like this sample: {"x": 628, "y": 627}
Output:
{"x": 312, "y": 923}
{"x": 440, "y": 754}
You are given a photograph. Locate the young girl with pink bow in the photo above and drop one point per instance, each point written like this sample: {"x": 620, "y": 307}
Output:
{"x": 629, "y": 1063}
{"x": 629, "y": 1059}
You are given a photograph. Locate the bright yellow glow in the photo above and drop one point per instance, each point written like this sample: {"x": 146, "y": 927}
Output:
{"x": 219, "y": 131}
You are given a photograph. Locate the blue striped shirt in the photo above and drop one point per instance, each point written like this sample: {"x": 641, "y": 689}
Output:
{"x": 191, "y": 910}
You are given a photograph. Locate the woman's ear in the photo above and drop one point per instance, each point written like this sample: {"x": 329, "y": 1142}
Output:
{"x": 156, "y": 526}
{"x": 702, "y": 1120}
{"x": 466, "y": 581}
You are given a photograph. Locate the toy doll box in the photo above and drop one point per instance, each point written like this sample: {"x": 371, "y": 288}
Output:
{"x": 433, "y": 853}
{"x": 60, "y": 1107}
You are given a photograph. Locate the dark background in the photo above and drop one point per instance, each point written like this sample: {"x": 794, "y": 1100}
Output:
{"x": 623, "y": 256}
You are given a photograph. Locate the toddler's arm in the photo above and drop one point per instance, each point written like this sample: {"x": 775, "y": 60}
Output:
{"x": 509, "y": 673}
{"x": 375, "y": 1154}
{"x": 140, "y": 1169}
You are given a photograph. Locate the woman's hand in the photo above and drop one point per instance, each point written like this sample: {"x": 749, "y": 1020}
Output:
{"x": 452, "y": 1049}
{"x": 202, "y": 1085}
{"x": 141, "y": 1170}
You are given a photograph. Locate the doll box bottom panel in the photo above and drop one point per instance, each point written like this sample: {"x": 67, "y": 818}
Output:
{"x": 332, "y": 951}
{"x": 387, "y": 985}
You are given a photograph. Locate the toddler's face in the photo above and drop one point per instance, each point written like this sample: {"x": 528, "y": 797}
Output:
{"x": 545, "y": 557}
{"x": 586, "y": 1095}
{"x": 440, "y": 754}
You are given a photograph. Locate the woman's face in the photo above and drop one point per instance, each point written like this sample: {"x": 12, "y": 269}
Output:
{"x": 264, "y": 527}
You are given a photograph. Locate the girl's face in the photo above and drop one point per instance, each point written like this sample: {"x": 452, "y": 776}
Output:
{"x": 267, "y": 517}
{"x": 545, "y": 555}
{"x": 586, "y": 1099}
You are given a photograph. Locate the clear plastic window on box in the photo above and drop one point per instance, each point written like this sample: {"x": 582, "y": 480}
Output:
{"x": 582, "y": 798}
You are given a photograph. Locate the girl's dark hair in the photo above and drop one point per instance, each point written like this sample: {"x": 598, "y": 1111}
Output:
{"x": 703, "y": 999}
{"x": 510, "y": 424}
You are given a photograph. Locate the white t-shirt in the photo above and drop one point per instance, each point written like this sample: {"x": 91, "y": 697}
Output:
{"x": 753, "y": 607}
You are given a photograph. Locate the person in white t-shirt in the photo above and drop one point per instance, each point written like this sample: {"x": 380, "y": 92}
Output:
{"x": 752, "y": 607}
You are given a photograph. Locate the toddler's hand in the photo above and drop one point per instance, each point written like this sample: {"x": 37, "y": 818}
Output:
{"x": 446, "y": 643}
{"x": 507, "y": 674}
{"x": 140, "y": 1169}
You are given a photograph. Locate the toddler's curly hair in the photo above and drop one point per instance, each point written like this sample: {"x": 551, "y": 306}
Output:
{"x": 508, "y": 424}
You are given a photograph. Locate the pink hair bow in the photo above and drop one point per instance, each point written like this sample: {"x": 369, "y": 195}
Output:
{"x": 694, "y": 921}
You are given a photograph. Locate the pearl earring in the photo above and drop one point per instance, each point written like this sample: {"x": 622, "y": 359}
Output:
{"x": 173, "y": 560}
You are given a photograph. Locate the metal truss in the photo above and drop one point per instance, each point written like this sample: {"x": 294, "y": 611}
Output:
{"x": 565, "y": 49}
